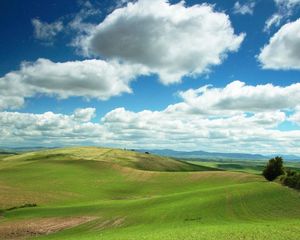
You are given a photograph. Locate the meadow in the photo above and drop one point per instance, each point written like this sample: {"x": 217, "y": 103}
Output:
{"x": 100, "y": 193}
{"x": 248, "y": 166}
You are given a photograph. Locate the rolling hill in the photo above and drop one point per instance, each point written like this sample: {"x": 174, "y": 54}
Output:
{"x": 101, "y": 193}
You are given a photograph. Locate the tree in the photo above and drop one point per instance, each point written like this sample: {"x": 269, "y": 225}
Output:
{"x": 273, "y": 169}
{"x": 291, "y": 179}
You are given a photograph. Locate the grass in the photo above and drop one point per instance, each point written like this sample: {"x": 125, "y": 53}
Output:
{"x": 5, "y": 155}
{"x": 139, "y": 196}
{"x": 253, "y": 166}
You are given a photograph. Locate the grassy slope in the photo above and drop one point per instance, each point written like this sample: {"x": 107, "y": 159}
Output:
{"x": 149, "y": 204}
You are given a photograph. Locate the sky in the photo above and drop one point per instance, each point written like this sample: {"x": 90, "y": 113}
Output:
{"x": 184, "y": 75}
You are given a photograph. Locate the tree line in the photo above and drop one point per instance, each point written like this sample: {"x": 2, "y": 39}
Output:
{"x": 287, "y": 177}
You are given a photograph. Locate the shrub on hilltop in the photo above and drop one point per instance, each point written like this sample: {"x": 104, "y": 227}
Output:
{"x": 291, "y": 179}
{"x": 273, "y": 169}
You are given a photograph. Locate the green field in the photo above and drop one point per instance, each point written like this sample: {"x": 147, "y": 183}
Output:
{"x": 130, "y": 195}
{"x": 249, "y": 166}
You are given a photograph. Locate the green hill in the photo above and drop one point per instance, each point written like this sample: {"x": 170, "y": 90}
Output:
{"x": 123, "y": 158}
{"x": 98, "y": 193}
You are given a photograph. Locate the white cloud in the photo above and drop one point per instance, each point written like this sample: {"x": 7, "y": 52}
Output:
{"x": 274, "y": 20}
{"x": 179, "y": 129}
{"x": 251, "y": 125}
{"x": 85, "y": 4}
{"x": 80, "y": 25}
{"x": 282, "y": 51}
{"x": 76, "y": 23}
{"x": 295, "y": 116}
{"x": 88, "y": 10}
{"x": 47, "y": 129}
{"x": 287, "y": 3}
{"x": 285, "y": 9}
{"x": 129, "y": 129}
{"x": 170, "y": 40}
{"x": 244, "y": 9}
{"x": 46, "y": 31}
{"x": 84, "y": 114}
{"x": 8, "y": 101}
{"x": 90, "y": 79}
{"x": 141, "y": 38}
{"x": 236, "y": 98}
{"x": 122, "y": 3}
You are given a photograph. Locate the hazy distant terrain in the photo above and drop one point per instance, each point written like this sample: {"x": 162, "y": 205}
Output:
{"x": 218, "y": 155}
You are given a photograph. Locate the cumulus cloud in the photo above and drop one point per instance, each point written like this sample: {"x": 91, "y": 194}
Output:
{"x": 190, "y": 131}
{"x": 84, "y": 114}
{"x": 139, "y": 38}
{"x": 236, "y": 98}
{"x": 124, "y": 128}
{"x": 170, "y": 40}
{"x": 46, "y": 31}
{"x": 282, "y": 51}
{"x": 179, "y": 126}
{"x": 80, "y": 24}
{"x": 47, "y": 129}
{"x": 244, "y": 9}
{"x": 89, "y": 78}
{"x": 295, "y": 116}
{"x": 251, "y": 125}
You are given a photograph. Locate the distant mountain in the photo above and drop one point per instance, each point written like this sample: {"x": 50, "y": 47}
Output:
{"x": 23, "y": 149}
{"x": 180, "y": 154}
{"x": 217, "y": 155}
{"x": 288, "y": 157}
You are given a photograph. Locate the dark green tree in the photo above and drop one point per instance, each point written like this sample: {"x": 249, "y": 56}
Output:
{"x": 291, "y": 179}
{"x": 273, "y": 169}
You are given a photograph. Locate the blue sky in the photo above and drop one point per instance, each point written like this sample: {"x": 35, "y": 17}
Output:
{"x": 120, "y": 73}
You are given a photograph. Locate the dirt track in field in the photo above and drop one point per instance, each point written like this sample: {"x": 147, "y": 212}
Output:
{"x": 23, "y": 229}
